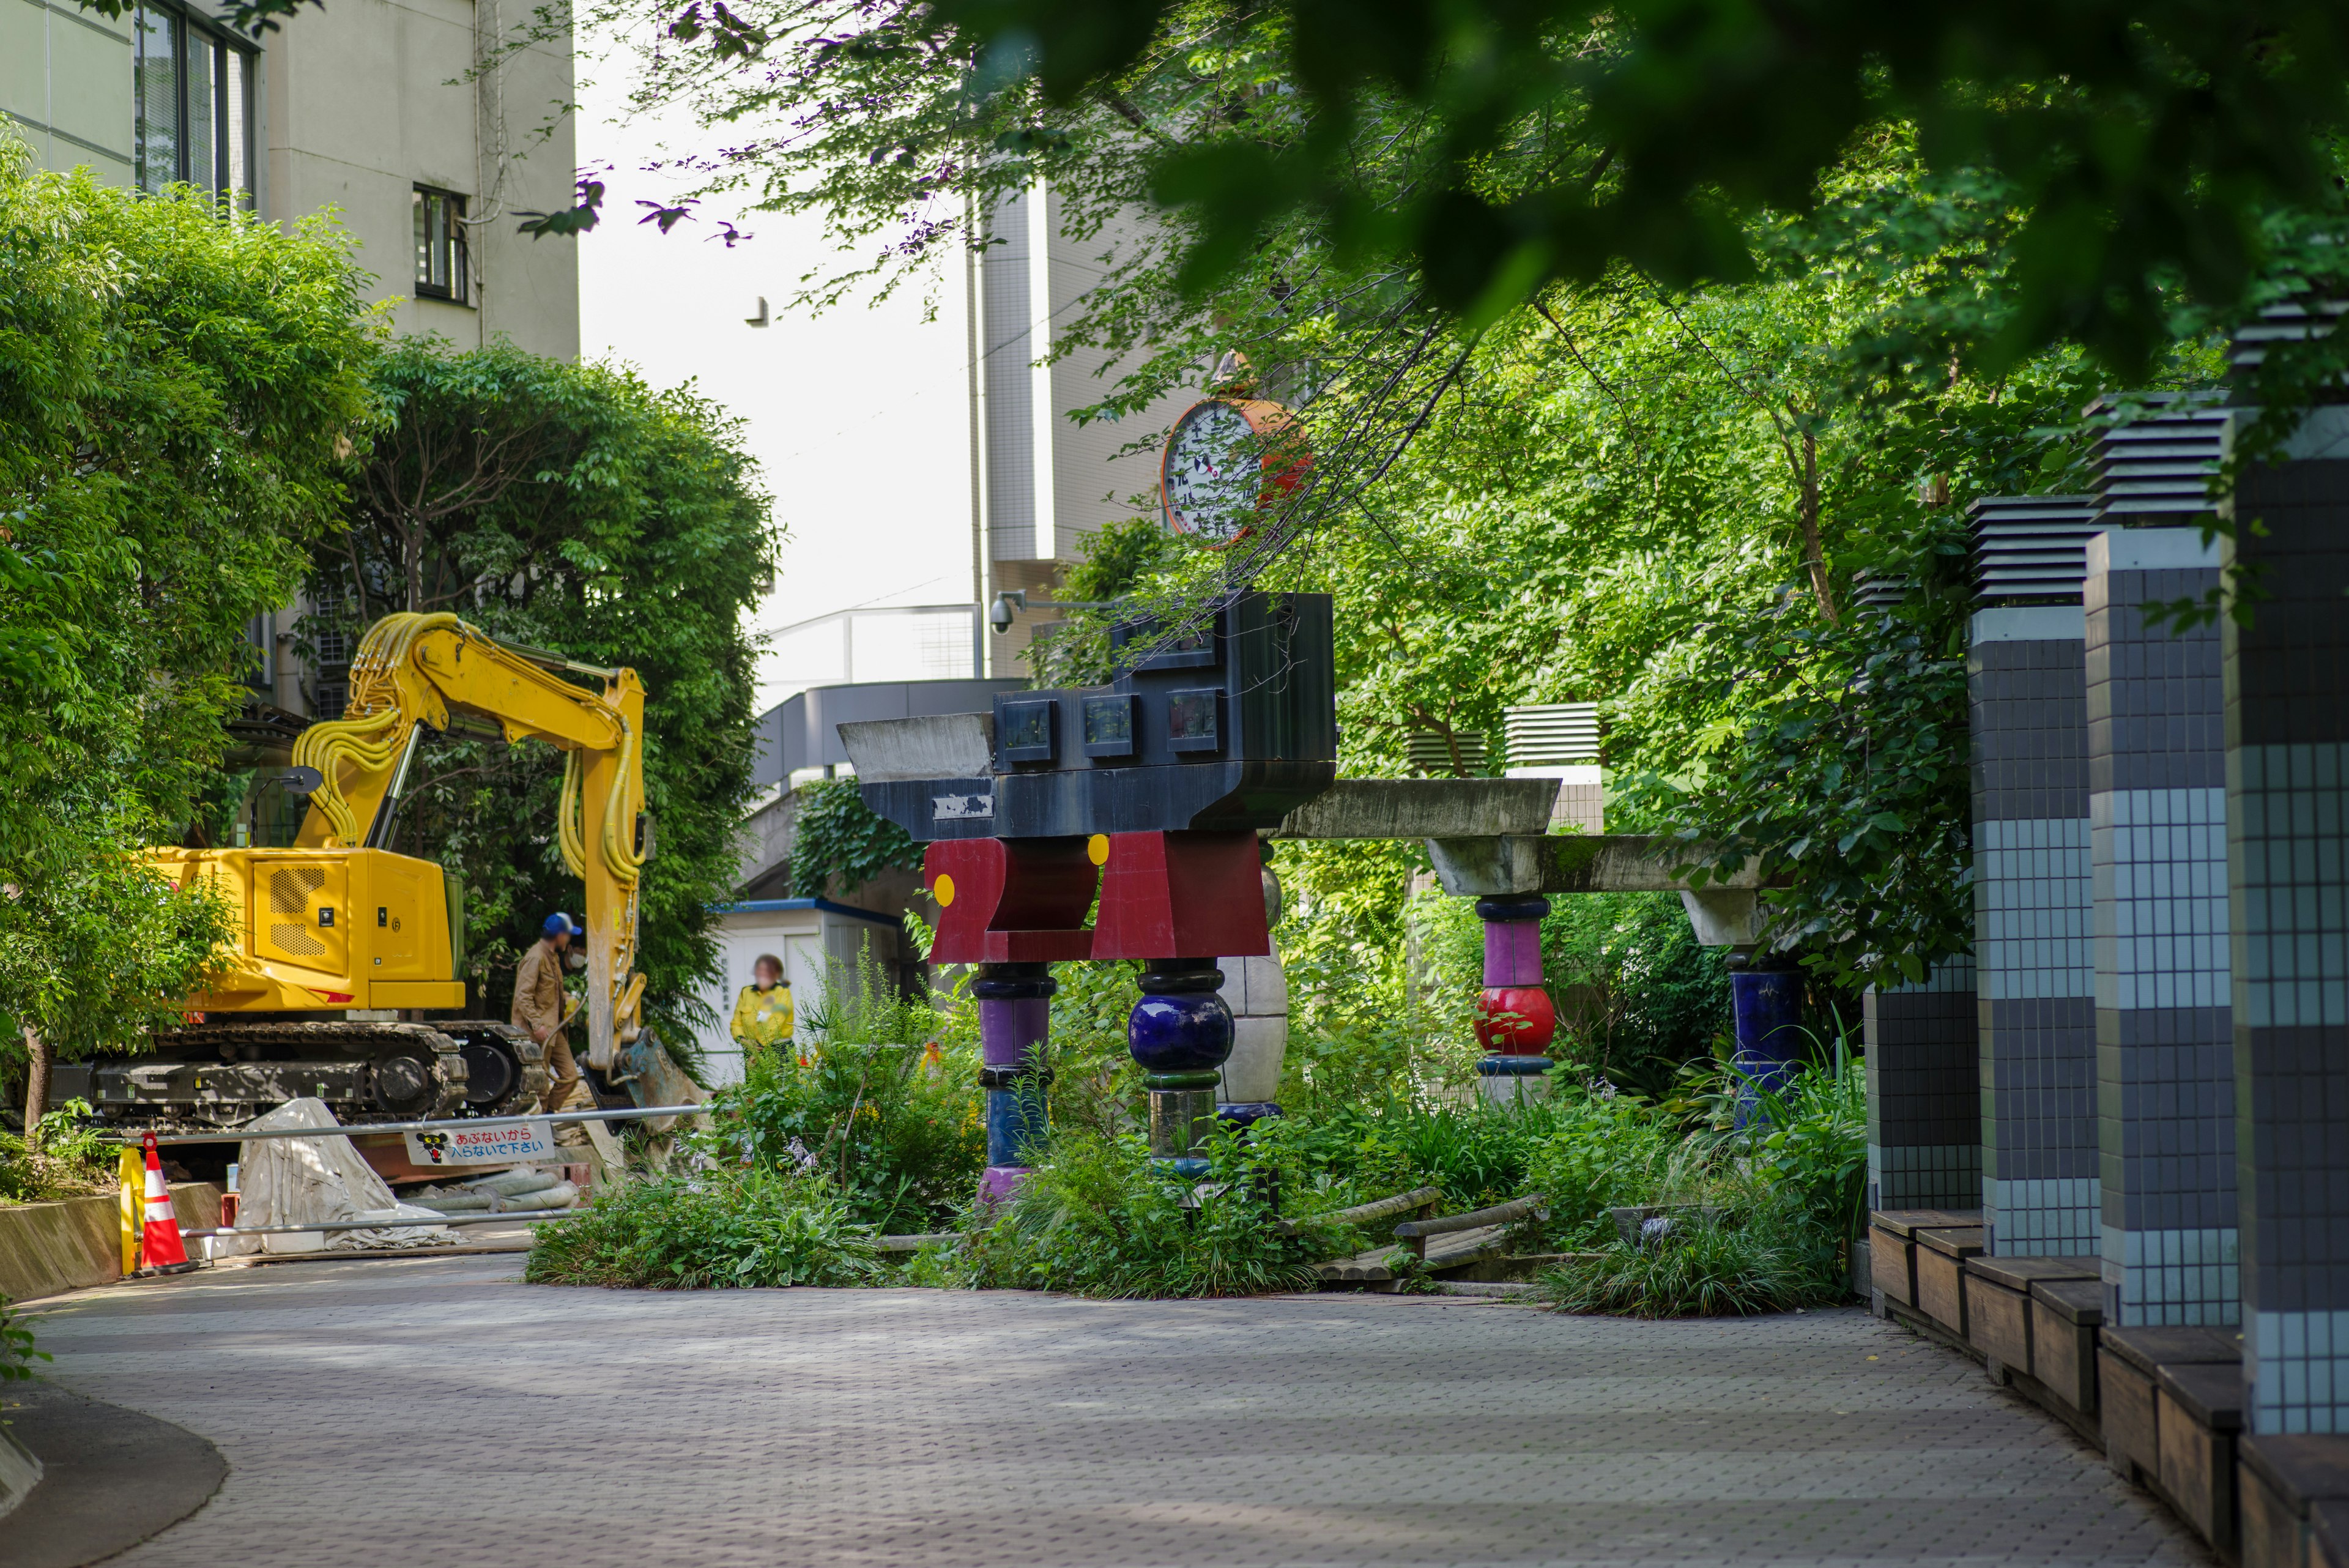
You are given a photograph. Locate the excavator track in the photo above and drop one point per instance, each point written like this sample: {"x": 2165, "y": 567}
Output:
{"x": 222, "y": 1073}
{"x": 506, "y": 1068}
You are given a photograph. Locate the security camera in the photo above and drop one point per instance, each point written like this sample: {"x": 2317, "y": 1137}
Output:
{"x": 1006, "y": 606}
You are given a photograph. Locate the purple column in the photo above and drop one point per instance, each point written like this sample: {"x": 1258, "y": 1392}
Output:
{"x": 1015, "y": 1013}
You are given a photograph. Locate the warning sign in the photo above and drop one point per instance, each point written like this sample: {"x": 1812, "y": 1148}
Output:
{"x": 484, "y": 1143}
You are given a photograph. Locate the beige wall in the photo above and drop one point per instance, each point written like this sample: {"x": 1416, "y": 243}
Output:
{"x": 358, "y": 104}
{"x": 368, "y": 99}
{"x": 65, "y": 79}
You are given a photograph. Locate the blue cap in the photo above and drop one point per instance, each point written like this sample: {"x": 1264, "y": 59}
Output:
{"x": 559, "y": 924}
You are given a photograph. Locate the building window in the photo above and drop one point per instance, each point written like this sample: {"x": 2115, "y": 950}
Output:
{"x": 193, "y": 92}
{"x": 440, "y": 244}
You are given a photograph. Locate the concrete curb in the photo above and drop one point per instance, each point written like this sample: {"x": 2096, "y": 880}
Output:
{"x": 48, "y": 1249}
{"x": 111, "y": 1478}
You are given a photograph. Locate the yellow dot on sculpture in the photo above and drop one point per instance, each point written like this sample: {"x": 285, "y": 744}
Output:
{"x": 944, "y": 890}
{"x": 1097, "y": 849}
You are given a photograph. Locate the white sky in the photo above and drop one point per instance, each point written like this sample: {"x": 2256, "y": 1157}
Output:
{"x": 859, "y": 418}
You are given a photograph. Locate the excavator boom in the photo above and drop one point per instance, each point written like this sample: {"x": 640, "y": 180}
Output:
{"x": 416, "y": 670}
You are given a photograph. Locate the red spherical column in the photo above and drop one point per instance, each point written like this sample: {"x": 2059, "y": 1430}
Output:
{"x": 1515, "y": 1020}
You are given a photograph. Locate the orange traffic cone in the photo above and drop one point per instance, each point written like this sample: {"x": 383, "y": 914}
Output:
{"x": 161, "y": 1248}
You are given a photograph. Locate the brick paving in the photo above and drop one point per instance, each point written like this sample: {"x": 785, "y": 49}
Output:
{"x": 438, "y": 1411}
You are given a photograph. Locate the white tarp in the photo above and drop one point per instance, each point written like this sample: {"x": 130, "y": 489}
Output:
{"x": 322, "y": 1180}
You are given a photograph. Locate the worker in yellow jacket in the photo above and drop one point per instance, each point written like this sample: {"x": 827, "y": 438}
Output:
{"x": 762, "y": 1014}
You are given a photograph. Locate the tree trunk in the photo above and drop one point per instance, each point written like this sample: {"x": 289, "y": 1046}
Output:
{"x": 36, "y": 1078}
{"x": 1815, "y": 554}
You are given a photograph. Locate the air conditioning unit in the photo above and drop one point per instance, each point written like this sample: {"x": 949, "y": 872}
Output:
{"x": 1429, "y": 754}
{"x": 1560, "y": 741}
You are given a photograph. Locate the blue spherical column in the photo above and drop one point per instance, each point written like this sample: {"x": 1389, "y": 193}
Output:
{"x": 1180, "y": 1033}
{"x": 1766, "y": 1013}
{"x": 1014, "y": 1019}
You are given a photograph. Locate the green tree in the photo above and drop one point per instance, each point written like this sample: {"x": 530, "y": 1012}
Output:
{"x": 571, "y": 508}
{"x": 175, "y": 384}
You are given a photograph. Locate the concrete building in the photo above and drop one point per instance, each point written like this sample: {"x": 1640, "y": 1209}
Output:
{"x": 1039, "y": 482}
{"x": 422, "y": 126}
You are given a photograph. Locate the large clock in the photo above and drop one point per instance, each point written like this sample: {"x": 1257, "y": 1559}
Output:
{"x": 1227, "y": 459}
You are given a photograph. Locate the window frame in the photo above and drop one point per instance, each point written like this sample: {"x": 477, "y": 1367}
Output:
{"x": 234, "y": 124}
{"x": 454, "y": 241}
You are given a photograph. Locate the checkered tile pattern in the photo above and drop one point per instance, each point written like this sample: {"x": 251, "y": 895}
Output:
{"x": 2035, "y": 976}
{"x": 2287, "y": 719}
{"x": 1924, "y": 1092}
{"x": 2165, "y": 1040}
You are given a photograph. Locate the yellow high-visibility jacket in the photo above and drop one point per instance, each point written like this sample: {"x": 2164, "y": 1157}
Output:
{"x": 763, "y": 1017}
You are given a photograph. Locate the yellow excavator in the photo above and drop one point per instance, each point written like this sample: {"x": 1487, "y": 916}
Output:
{"x": 346, "y": 982}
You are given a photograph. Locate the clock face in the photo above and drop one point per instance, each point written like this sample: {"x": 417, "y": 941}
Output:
{"x": 1213, "y": 477}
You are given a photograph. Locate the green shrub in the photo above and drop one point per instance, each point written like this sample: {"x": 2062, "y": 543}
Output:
{"x": 1808, "y": 1134}
{"x": 62, "y": 1157}
{"x": 16, "y": 1351}
{"x": 887, "y": 1105}
{"x": 1098, "y": 1219}
{"x": 1757, "y": 1252}
{"x": 719, "y": 1228}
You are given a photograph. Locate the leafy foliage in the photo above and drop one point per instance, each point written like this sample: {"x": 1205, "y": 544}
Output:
{"x": 17, "y": 1352}
{"x": 753, "y": 1228}
{"x": 884, "y": 1106}
{"x": 2144, "y": 142}
{"x": 174, "y": 382}
{"x": 838, "y": 843}
{"x": 1097, "y": 1219}
{"x": 571, "y": 508}
{"x": 61, "y": 1157}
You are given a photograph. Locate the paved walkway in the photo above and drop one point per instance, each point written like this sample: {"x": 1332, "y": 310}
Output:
{"x": 439, "y": 1412}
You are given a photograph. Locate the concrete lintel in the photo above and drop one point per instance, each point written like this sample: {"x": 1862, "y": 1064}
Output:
{"x": 1566, "y": 863}
{"x": 939, "y": 746}
{"x": 1424, "y": 808}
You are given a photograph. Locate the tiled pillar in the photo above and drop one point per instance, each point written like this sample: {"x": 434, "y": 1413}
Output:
{"x": 2036, "y": 980}
{"x": 2164, "y": 1051}
{"x": 2287, "y": 725}
{"x": 1924, "y": 1092}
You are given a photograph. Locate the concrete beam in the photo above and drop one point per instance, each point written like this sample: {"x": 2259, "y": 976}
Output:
{"x": 1566, "y": 863}
{"x": 1424, "y": 808}
{"x": 940, "y": 746}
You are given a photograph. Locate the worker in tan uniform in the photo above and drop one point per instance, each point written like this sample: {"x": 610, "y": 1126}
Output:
{"x": 538, "y": 1005}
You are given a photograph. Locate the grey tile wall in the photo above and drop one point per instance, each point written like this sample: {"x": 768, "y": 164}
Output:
{"x": 1924, "y": 1092}
{"x": 2026, "y": 677}
{"x": 2165, "y": 1053}
{"x": 2287, "y": 728}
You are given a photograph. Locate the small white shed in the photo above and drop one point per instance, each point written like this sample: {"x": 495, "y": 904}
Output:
{"x": 812, "y": 936}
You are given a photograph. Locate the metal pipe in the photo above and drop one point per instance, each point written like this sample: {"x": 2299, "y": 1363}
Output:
{"x": 237, "y": 1134}
{"x": 512, "y": 1217}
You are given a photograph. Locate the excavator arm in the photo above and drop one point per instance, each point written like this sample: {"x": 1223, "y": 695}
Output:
{"x": 417, "y": 669}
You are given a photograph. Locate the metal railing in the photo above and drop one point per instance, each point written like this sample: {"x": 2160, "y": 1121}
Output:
{"x": 240, "y": 1135}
